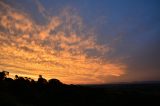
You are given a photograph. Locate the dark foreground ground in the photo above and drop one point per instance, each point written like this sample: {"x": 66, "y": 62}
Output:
{"x": 70, "y": 95}
{"x": 25, "y": 92}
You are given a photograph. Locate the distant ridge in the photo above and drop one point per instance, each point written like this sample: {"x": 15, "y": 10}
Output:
{"x": 123, "y": 83}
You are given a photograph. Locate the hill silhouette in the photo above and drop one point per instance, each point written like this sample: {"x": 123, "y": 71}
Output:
{"x": 24, "y": 91}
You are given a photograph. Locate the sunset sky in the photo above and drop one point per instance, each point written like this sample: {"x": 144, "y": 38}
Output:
{"x": 81, "y": 41}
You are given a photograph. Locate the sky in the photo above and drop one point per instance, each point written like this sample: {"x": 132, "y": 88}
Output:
{"x": 81, "y": 41}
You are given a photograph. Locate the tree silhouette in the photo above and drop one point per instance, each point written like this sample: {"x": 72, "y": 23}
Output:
{"x": 41, "y": 80}
{"x": 55, "y": 82}
{"x": 3, "y": 75}
{"x": 28, "y": 92}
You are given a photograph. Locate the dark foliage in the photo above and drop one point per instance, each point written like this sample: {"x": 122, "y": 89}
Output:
{"x": 23, "y": 91}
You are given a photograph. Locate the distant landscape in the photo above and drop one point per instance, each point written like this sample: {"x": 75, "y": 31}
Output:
{"x": 23, "y": 91}
{"x": 79, "y": 52}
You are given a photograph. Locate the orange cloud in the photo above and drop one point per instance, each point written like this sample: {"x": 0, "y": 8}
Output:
{"x": 58, "y": 49}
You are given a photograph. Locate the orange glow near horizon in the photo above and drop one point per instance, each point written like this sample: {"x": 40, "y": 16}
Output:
{"x": 63, "y": 48}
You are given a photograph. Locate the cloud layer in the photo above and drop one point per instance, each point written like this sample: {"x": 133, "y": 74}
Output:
{"x": 62, "y": 48}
